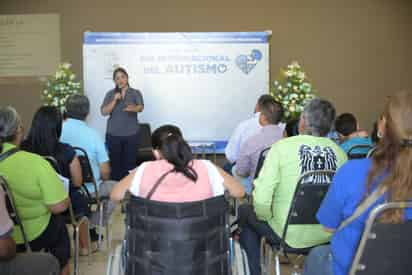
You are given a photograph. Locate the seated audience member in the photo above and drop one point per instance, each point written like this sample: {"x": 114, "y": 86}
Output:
{"x": 78, "y": 134}
{"x": 243, "y": 131}
{"x": 20, "y": 264}
{"x": 183, "y": 178}
{"x": 349, "y": 135}
{"x": 43, "y": 139}
{"x": 38, "y": 193}
{"x": 390, "y": 167}
{"x": 271, "y": 113}
{"x": 286, "y": 161}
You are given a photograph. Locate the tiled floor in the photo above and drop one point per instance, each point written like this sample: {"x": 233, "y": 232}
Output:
{"x": 98, "y": 261}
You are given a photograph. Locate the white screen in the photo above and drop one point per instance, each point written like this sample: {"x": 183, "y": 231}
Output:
{"x": 205, "y": 83}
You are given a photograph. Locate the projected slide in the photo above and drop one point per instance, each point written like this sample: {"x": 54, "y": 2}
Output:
{"x": 206, "y": 83}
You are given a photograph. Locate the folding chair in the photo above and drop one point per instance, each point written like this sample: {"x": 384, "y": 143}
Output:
{"x": 145, "y": 150}
{"x": 13, "y": 212}
{"x": 371, "y": 152}
{"x": 96, "y": 200}
{"x": 384, "y": 247}
{"x": 76, "y": 222}
{"x": 262, "y": 157}
{"x": 353, "y": 152}
{"x": 248, "y": 198}
{"x": 306, "y": 201}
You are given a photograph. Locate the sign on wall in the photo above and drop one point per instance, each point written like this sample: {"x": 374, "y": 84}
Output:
{"x": 29, "y": 45}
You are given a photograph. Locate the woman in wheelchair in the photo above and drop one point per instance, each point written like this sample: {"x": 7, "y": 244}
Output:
{"x": 43, "y": 139}
{"x": 175, "y": 176}
{"x": 175, "y": 196}
{"x": 361, "y": 185}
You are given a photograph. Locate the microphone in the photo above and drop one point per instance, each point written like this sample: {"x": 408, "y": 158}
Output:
{"x": 118, "y": 89}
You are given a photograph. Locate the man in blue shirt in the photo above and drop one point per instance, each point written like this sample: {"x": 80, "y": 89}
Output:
{"x": 347, "y": 128}
{"x": 76, "y": 133}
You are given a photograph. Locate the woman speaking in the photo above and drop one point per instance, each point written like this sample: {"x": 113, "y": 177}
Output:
{"x": 122, "y": 104}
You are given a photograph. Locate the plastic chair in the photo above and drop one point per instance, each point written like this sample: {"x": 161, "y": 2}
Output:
{"x": 384, "y": 248}
{"x": 76, "y": 222}
{"x": 353, "y": 154}
{"x": 177, "y": 238}
{"x": 13, "y": 212}
{"x": 306, "y": 201}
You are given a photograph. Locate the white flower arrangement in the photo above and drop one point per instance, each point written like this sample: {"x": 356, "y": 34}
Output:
{"x": 293, "y": 90}
{"x": 60, "y": 86}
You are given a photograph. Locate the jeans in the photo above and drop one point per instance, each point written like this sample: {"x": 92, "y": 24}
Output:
{"x": 319, "y": 261}
{"x": 123, "y": 154}
{"x": 251, "y": 233}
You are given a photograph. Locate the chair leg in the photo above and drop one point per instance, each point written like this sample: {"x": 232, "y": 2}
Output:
{"x": 277, "y": 264}
{"x": 271, "y": 260}
{"x": 267, "y": 266}
{"x": 263, "y": 256}
{"x": 100, "y": 209}
{"x": 76, "y": 250}
{"x": 89, "y": 243}
{"x": 108, "y": 237}
{"x": 109, "y": 264}
{"x": 295, "y": 265}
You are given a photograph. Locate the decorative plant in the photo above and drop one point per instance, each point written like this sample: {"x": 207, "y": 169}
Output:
{"x": 292, "y": 90}
{"x": 60, "y": 86}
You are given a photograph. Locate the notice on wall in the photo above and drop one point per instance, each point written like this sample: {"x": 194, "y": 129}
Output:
{"x": 29, "y": 45}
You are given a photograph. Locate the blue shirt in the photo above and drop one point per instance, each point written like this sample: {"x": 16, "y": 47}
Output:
{"x": 78, "y": 134}
{"x": 345, "y": 194}
{"x": 357, "y": 141}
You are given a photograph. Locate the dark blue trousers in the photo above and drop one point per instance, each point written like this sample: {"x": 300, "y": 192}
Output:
{"x": 122, "y": 153}
{"x": 252, "y": 230}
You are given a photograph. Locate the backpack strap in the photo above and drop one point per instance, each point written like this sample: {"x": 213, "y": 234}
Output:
{"x": 371, "y": 199}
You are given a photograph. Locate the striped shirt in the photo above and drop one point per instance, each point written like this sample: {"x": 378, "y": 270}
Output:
{"x": 250, "y": 150}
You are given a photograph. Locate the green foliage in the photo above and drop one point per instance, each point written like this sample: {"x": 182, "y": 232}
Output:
{"x": 60, "y": 86}
{"x": 293, "y": 90}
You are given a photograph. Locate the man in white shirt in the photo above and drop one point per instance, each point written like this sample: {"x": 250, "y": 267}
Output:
{"x": 243, "y": 131}
{"x": 246, "y": 164}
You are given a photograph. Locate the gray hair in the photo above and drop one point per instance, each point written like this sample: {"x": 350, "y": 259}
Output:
{"x": 9, "y": 123}
{"x": 319, "y": 115}
{"x": 77, "y": 107}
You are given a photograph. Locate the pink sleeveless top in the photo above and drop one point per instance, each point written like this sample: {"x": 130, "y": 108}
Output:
{"x": 176, "y": 187}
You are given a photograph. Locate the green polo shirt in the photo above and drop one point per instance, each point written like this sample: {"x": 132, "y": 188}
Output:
{"x": 275, "y": 186}
{"x": 34, "y": 185}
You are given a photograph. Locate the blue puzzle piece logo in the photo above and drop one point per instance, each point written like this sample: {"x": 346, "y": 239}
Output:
{"x": 246, "y": 63}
